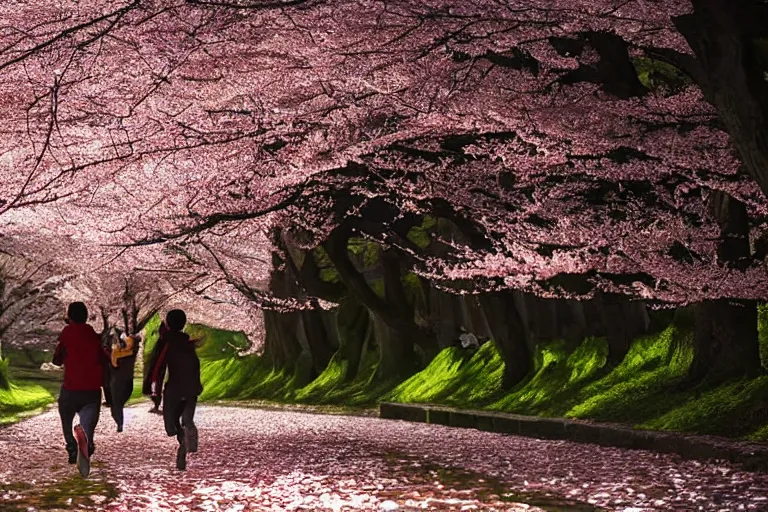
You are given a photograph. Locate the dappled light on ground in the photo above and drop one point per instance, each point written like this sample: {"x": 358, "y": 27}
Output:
{"x": 252, "y": 459}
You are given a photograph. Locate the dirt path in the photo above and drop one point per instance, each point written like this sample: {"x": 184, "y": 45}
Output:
{"x": 253, "y": 459}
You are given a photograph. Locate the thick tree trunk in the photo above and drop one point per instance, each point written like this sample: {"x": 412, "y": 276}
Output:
{"x": 476, "y": 322}
{"x": 623, "y": 320}
{"x": 397, "y": 357}
{"x": 317, "y": 339}
{"x": 725, "y": 340}
{"x": 393, "y": 309}
{"x": 722, "y": 34}
{"x": 281, "y": 346}
{"x": 509, "y": 335}
{"x": 304, "y": 370}
{"x": 574, "y": 331}
{"x": 352, "y": 324}
{"x": 445, "y": 317}
{"x": 593, "y": 315}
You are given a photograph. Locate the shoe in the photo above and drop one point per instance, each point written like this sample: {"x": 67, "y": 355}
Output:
{"x": 72, "y": 456}
{"x": 190, "y": 438}
{"x": 83, "y": 457}
{"x": 181, "y": 455}
{"x": 119, "y": 428}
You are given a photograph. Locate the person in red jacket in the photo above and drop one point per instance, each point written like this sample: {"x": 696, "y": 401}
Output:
{"x": 80, "y": 352}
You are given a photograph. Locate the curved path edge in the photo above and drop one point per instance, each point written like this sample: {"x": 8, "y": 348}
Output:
{"x": 751, "y": 456}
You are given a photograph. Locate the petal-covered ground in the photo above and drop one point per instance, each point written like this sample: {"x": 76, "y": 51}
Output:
{"x": 252, "y": 459}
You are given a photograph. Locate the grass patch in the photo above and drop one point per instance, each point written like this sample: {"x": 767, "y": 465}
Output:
{"x": 22, "y": 398}
{"x": 641, "y": 391}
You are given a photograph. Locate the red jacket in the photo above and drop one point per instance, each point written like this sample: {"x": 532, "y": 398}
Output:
{"x": 79, "y": 350}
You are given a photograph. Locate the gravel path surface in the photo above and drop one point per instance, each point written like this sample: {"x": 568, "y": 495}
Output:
{"x": 251, "y": 459}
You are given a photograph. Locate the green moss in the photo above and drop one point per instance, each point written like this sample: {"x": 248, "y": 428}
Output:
{"x": 733, "y": 408}
{"x": 419, "y": 236}
{"x": 321, "y": 257}
{"x": 455, "y": 376}
{"x": 412, "y": 287}
{"x": 22, "y": 397}
{"x": 372, "y": 256}
{"x": 5, "y": 382}
{"x": 655, "y": 73}
{"x": 638, "y": 388}
{"x": 762, "y": 329}
{"x": 377, "y": 285}
{"x": 330, "y": 275}
{"x": 557, "y": 379}
{"x": 229, "y": 376}
{"x": 357, "y": 246}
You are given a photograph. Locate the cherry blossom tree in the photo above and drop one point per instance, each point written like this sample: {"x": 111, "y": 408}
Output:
{"x": 575, "y": 148}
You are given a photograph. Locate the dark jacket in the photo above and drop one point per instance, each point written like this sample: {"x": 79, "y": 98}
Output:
{"x": 179, "y": 356}
{"x": 79, "y": 350}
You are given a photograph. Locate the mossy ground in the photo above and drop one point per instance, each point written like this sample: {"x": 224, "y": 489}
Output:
{"x": 642, "y": 391}
{"x": 23, "y": 388}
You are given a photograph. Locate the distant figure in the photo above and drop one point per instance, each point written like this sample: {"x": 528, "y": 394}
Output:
{"x": 123, "y": 363}
{"x": 183, "y": 385}
{"x": 467, "y": 339}
{"x": 79, "y": 351}
{"x": 149, "y": 387}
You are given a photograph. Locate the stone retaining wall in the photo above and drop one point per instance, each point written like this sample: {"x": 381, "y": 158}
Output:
{"x": 752, "y": 456}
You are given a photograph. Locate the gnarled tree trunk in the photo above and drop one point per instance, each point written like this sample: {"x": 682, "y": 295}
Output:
{"x": 281, "y": 346}
{"x": 352, "y": 325}
{"x": 508, "y": 334}
{"x": 725, "y": 341}
{"x": 624, "y": 320}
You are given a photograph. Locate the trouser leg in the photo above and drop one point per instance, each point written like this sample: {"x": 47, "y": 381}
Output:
{"x": 188, "y": 411}
{"x": 172, "y": 411}
{"x": 67, "y": 411}
{"x": 188, "y": 421}
{"x": 121, "y": 392}
{"x": 89, "y": 417}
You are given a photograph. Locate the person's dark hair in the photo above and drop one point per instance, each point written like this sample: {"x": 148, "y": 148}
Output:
{"x": 176, "y": 319}
{"x": 77, "y": 312}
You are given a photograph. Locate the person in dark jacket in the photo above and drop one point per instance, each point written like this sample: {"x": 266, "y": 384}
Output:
{"x": 183, "y": 386}
{"x": 123, "y": 363}
{"x": 79, "y": 351}
{"x": 155, "y": 392}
